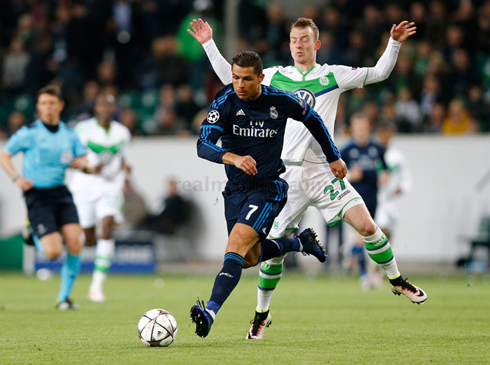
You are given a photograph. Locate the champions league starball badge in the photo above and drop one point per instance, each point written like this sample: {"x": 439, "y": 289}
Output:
{"x": 213, "y": 116}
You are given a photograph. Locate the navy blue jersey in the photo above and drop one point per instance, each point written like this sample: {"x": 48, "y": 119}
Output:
{"x": 256, "y": 128}
{"x": 371, "y": 160}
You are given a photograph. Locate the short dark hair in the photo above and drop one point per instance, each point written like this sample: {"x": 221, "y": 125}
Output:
{"x": 51, "y": 90}
{"x": 306, "y": 22}
{"x": 249, "y": 59}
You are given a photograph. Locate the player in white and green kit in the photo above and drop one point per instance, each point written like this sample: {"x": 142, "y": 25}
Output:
{"x": 311, "y": 181}
{"x": 99, "y": 197}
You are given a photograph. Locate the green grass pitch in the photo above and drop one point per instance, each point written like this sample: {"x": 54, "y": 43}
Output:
{"x": 316, "y": 320}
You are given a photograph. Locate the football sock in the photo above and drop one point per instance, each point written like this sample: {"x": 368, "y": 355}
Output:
{"x": 358, "y": 253}
{"x": 226, "y": 281}
{"x": 379, "y": 249}
{"x": 38, "y": 244}
{"x": 269, "y": 275}
{"x": 104, "y": 253}
{"x": 278, "y": 247}
{"x": 69, "y": 273}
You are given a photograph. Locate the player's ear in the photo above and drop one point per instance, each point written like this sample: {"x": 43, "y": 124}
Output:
{"x": 62, "y": 105}
{"x": 261, "y": 78}
{"x": 318, "y": 44}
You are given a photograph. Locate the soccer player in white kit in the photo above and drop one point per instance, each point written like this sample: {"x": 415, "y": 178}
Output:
{"x": 99, "y": 197}
{"x": 311, "y": 181}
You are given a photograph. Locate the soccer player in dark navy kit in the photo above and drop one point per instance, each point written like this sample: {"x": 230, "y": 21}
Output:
{"x": 250, "y": 119}
{"x": 49, "y": 148}
{"x": 367, "y": 168}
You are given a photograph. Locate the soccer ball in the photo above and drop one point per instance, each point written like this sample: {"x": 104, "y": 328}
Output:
{"x": 157, "y": 327}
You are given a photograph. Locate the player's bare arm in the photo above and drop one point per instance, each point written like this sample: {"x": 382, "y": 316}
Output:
{"x": 22, "y": 182}
{"x": 245, "y": 163}
{"x": 402, "y": 31}
{"x": 202, "y": 31}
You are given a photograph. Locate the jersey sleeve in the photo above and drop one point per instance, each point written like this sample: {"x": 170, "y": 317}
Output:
{"x": 219, "y": 63}
{"x": 301, "y": 111}
{"x": 80, "y": 130}
{"x": 350, "y": 77}
{"x": 20, "y": 141}
{"x": 211, "y": 130}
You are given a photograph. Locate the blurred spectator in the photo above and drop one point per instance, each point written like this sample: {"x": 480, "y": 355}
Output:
{"x": 186, "y": 108}
{"x": 129, "y": 119}
{"x": 163, "y": 65}
{"x": 276, "y": 34}
{"x": 430, "y": 95}
{"x": 169, "y": 124}
{"x": 174, "y": 213}
{"x": 355, "y": 54}
{"x": 137, "y": 46}
{"x": 437, "y": 116}
{"x": 418, "y": 15}
{"x": 461, "y": 76}
{"x": 106, "y": 73}
{"x": 478, "y": 109}
{"x": 15, "y": 122}
{"x": 84, "y": 109}
{"x": 14, "y": 67}
{"x": 407, "y": 112}
{"x": 458, "y": 120}
{"x": 134, "y": 205}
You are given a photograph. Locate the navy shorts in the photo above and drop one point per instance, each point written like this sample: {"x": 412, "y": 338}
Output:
{"x": 255, "y": 206}
{"x": 50, "y": 209}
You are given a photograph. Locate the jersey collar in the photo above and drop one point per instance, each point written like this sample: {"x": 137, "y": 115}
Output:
{"x": 307, "y": 72}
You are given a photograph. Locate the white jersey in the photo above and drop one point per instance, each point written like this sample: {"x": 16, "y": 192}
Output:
{"x": 106, "y": 147}
{"x": 321, "y": 87}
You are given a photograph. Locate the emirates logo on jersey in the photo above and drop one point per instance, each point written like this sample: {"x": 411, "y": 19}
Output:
{"x": 306, "y": 95}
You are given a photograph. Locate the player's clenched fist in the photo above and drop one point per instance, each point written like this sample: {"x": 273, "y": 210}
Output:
{"x": 247, "y": 164}
{"x": 339, "y": 168}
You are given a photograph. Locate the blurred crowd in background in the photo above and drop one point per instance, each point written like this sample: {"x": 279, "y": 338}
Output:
{"x": 140, "y": 51}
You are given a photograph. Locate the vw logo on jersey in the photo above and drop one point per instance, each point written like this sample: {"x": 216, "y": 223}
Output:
{"x": 213, "y": 116}
{"x": 306, "y": 95}
{"x": 324, "y": 80}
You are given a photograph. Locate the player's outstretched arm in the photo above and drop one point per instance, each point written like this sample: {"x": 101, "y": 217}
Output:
{"x": 399, "y": 33}
{"x": 203, "y": 33}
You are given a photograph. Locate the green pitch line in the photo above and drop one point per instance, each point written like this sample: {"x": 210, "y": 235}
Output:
{"x": 316, "y": 320}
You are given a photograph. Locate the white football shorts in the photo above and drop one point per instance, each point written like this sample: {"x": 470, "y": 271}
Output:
{"x": 93, "y": 206}
{"x": 313, "y": 185}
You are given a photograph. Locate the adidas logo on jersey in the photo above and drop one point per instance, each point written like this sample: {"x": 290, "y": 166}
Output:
{"x": 240, "y": 112}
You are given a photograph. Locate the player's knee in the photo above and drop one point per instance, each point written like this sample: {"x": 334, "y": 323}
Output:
{"x": 368, "y": 228}
{"x": 53, "y": 253}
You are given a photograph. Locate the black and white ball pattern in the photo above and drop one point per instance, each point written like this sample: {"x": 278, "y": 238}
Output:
{"x": 213, "y": 116}
{"x": 157, "y": 327}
